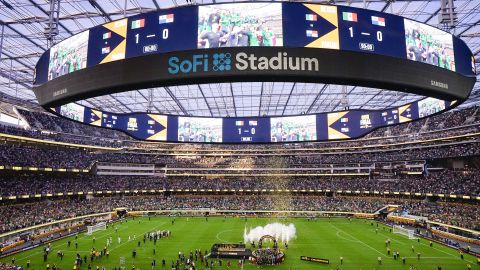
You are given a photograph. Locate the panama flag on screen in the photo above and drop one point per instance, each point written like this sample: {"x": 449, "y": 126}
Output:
{"x": 311, "y": 17}
{"x": 252, "y": 123}
{"x": 350, "y": 16}
{"x": 107, "y": 35}
{"x": 312, "y": 33}
{"x": 168, "y": 18}
{"x": 138, "y": 24}
{"x": 105, "y": 50}
{"x": 378, "y": 21}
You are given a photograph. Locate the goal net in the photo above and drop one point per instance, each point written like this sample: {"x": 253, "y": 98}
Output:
{"x": 401, "y": 230}
{"x": 97, "y": 227}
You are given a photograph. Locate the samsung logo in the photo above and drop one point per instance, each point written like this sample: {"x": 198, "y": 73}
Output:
{"x": 439, "y": 84}
{"x": 60, "y": 92}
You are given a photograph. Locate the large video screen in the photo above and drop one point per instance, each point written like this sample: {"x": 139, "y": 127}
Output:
{"x": 430, "y": 106}
{"x": 196, "y": 129}
{"x": 302, "y": 128}
{"x": 429, "y": 45}
{"x": 240, "y": 25}
{"x": 73, "y": 111}
{"x": 68, "y": 56}
{"x": 256, "y": 24}
{"x": 293, "y": 129}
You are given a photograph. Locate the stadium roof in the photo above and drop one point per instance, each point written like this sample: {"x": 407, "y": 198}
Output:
{"x": 23, "y": 26}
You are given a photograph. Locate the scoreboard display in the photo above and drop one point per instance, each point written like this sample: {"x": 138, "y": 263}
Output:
{"x": 246, "y": 129}
{"x": 301, "y": 128}
{"x": 163, "y": 31}
{"x": 368, "y": 31}
{"x": 265, "y": 24}
{"x": 256, "y": 41}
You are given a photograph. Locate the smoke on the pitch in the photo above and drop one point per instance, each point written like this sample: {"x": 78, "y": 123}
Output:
{"x": 281, "y": 232}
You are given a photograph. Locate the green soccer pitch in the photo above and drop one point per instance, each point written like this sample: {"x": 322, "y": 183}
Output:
{"x": 356, "y": 241}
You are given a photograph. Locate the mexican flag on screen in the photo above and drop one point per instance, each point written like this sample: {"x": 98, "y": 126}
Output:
{"x": 350, "y": 16}
{"x": 138, "y": 24}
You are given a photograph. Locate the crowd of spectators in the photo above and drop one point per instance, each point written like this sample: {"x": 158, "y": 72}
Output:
{"x": 38, "y": 155}
{"x": 205, "y": 159}
{"x": 462, "y": 215}
{"x": 8, "y": 266}
{"x": 44, "y": 211}
{"x": 438, "y": 182}
{"x": 46, "y": 121}
{"x": 438, "y": 122}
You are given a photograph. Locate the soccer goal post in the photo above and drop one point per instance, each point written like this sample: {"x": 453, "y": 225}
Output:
{"x": 97, "y": 227}
{"x": 404, "y": 231}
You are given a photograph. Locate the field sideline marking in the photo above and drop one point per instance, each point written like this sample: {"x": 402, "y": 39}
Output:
{"x": 338, "y": 235}
{"x": 448, "y": 253}
{"x": 360, "y": 241}
{"x": 455, "y": 257}
{"x": 446, "y": 258}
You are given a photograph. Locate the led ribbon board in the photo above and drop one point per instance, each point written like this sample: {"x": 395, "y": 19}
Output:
{"x": 301, "y": 128}
{"x": 261, "y": 41}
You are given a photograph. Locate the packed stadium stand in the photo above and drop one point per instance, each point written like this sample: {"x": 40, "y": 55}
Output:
{"x": 424, "y": 162}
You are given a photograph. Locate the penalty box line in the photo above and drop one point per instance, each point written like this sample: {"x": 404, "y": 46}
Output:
{"x": 359, "y": 241}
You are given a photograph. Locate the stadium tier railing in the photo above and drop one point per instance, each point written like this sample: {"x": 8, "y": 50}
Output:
{"x": 248, "y": 191}
{"x": 401, "y": 220}
{"x": 457, "y": 237}
{"x": 28, "y": 139}
{"x": 221, "y": 212}
{"x": 212, "y": 191}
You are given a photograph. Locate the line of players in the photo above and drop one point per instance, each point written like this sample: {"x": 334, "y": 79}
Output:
{"x": 100, "y": 253}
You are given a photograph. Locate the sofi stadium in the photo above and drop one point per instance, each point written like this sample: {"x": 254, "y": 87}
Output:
{"x": 173, "y": 134}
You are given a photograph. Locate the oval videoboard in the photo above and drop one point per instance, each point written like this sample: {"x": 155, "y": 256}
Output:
{"x": 260, "y": 41}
